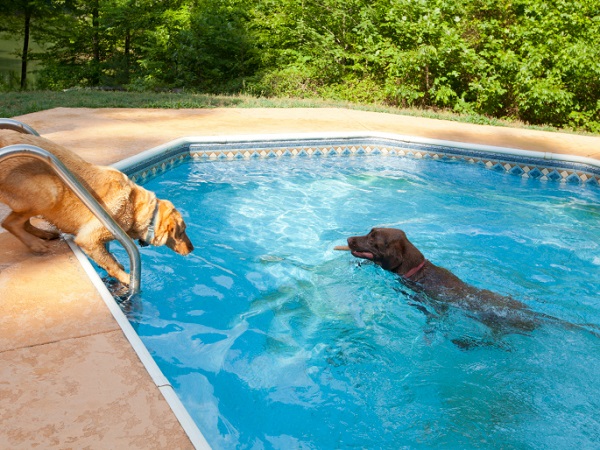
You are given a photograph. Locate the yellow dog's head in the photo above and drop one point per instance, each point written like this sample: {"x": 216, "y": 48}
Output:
{"x": 170, "y": 229}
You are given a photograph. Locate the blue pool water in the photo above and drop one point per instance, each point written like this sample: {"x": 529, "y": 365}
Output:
{"x": 273, "y": 340}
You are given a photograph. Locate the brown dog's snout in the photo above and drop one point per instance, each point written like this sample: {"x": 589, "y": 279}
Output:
{"x": 356, "y": 242}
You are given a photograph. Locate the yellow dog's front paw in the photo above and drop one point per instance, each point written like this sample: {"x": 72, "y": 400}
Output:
{"x": 123, "y": 278}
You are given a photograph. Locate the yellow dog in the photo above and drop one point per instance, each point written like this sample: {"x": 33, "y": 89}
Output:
{"x": 31, "y": 188}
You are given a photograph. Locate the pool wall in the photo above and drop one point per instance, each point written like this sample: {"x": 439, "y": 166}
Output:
{"x": 544, "y": 166}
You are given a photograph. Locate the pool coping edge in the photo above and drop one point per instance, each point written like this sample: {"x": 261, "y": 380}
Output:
{"x": 162, "y": 383}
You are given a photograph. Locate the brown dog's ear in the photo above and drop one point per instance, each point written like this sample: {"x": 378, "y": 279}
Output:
{"x": 412, "y": 257}
{"x": 400, "y": 254}
{"x": 392, "y": 256}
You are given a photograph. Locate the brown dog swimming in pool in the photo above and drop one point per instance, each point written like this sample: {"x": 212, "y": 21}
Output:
{"x": 31, "y": 188}
{"x": 391, "y": 249}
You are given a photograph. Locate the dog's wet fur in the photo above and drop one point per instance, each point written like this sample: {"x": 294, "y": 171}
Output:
{"x": 391, "y": 249}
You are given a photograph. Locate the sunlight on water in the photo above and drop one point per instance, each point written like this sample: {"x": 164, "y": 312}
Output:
{"x": 273, "y": 340}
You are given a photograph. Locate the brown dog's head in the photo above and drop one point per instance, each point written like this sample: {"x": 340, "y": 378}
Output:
{"x": 388, "y": 248}
{"x": 170, "y": 229}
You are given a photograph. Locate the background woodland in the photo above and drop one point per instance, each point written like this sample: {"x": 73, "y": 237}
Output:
{"x": 537, "y": 61}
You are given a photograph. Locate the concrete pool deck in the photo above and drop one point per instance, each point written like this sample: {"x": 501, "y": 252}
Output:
{"x": 68, "y": 376}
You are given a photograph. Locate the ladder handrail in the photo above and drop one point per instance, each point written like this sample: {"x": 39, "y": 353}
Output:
{"x": 15, "y": 125}
{"x": 88, "y": 200}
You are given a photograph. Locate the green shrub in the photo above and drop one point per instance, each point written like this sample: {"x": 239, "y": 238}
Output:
{"x": 532, "y": 60}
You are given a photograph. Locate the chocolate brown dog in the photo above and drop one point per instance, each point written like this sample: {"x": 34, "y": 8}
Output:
{"x": 391, "y": 249}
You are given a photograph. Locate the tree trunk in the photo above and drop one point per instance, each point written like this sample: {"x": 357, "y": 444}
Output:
{"x": 24, "y": 55}
{"x": 96, "y": 44}
{"x": 127, "y": 56}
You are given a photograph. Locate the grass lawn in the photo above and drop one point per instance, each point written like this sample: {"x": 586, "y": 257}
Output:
{"x": 17, "y": 103}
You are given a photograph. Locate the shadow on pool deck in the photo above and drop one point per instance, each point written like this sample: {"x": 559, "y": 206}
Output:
{"x": 68, "y": 376}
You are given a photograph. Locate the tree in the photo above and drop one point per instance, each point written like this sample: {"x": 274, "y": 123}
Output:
{"x": 534, "y": 60}
{"x": 18, "y": 18}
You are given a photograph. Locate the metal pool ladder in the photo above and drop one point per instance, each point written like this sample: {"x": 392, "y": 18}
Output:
{"x": 88, "y": 200}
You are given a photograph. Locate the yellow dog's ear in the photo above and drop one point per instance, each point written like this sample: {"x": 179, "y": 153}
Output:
{"x": 165, "y": 223}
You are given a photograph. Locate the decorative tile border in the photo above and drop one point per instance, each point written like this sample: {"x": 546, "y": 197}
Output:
{"x": 513, "y": 164}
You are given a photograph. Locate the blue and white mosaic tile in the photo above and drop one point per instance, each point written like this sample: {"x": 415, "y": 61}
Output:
{"x": 539, "y": 169}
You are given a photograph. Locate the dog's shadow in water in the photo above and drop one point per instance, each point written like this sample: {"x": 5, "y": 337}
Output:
{"x": 442, "y": 319}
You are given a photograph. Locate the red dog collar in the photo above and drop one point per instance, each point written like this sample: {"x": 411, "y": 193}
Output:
{"x": 414, "y": 270}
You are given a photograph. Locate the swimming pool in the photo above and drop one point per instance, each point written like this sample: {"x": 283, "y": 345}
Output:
{"x": 272, "y": 340}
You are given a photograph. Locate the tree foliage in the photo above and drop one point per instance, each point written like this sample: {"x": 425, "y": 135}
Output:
{"x": 533, "y": 60}
{"x": 26, "y": 19}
